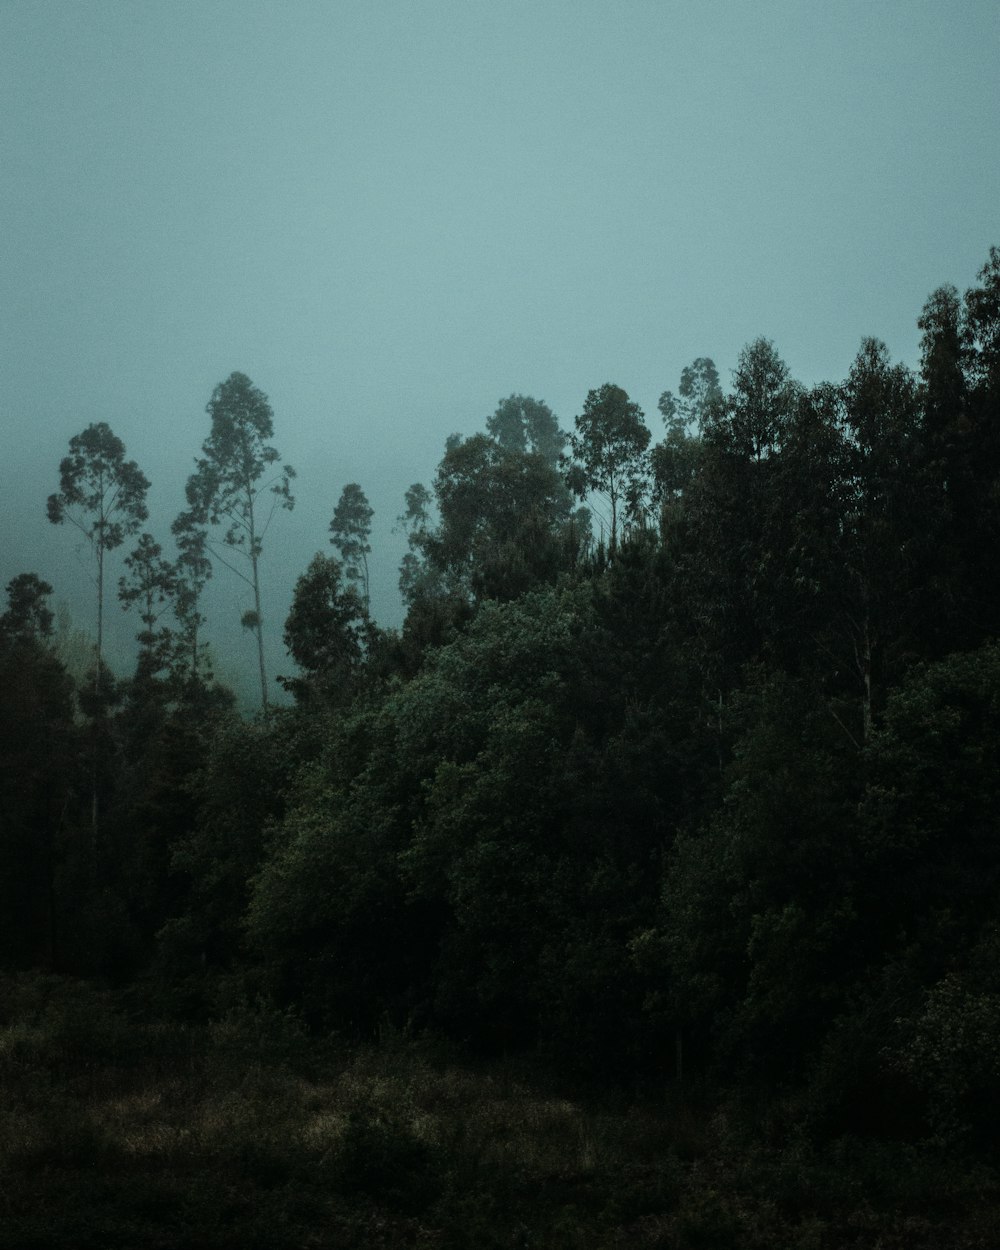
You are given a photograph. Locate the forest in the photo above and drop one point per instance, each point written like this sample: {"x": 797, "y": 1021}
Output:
{"x": 642, "y": 889}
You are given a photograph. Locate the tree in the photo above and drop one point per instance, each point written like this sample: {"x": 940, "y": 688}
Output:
{"x": 192, "y": 570}
{"x": 521, "y": 423}
{"x": 325, "y": 629}
{"x": 415, "y": 522}
{"x": 699, "y": 391}
{"x": 503, "y": 516}
{"x": 610, "y": 446}
{"x": 28, "y": 616}
{"x": 40, "y": 779}
{"x": 752, "y": 422}
{"x": 885, "y": 514}
{"x": 675, "y": 460}
{"x": 350, "y": 531}
{"x": 104, "y": 496}
{"x": 227, "y": 487}
{"x": 150, "y": 583}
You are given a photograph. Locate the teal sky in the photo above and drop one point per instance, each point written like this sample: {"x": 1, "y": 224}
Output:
{"x": 391, "y": 215}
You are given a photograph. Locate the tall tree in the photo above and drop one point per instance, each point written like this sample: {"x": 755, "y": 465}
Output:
{"x": 675, "y": 460}
{"x": 610, "y": 446}
{"x": 350, "y": 533}
{"x": 886, "y": 510}
{"x": 237, "y": 469}
{"x": 752, "y": 423}
{"x": 104, "y": 496}
{"x": 415, "y": 522}
{"x": 150, "y": 583}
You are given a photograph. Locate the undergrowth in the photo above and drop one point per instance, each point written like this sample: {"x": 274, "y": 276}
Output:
{"x": 119, "y": 1131}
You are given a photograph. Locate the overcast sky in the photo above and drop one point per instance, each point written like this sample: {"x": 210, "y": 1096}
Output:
{"x": 393, "y": 214}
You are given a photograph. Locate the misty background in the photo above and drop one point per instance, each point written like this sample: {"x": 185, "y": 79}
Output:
{"x": 391, "y": 216}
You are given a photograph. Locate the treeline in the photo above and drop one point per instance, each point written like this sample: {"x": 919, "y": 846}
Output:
{"x": 685, "y": 764}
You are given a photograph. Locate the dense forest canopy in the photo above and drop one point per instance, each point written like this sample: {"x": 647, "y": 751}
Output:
{"x": 685, "y": 758}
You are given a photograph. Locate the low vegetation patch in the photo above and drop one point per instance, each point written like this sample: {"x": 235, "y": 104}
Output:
{"x": 245, "y": 1132}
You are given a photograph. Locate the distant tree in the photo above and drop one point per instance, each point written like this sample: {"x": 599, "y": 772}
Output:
{"x": 226, "y": 488}
{"x": 415, "y": 522}
{"x": 675, "y": 460}
{"x": 610, "y": 449}
{"x": 752, "y": 422}
{"x": 104, "y": 496}
{"x": 521, "y": 423}
{"x": 699, "y": 390}
{"x": 350, "y": 533}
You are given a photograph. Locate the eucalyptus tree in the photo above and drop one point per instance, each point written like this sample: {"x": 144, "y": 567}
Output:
{"x": 350, "y": 533}
{"x": 230, "y": 485}
{"x": 521, "y": 423}
{"x": 685, "y": 415}
{"x": 610, "y": 451}
{"x": 415, "y": 523}
{"x": 104, "y": 496}
{"x": 192, "y": 568}
{"x": 698, "y": 392}
{"x": 150, "y": 584}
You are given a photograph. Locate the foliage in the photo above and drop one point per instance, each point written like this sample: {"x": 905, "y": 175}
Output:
{"x": 226, "y": 488}
{"x": 350, "y": 531}
{"x": 609, "y": 447}
{"x": 103, "y": 495}
{"x": 703, "y": 816}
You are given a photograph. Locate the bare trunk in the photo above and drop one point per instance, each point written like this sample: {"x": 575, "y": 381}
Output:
{"x": 97, "y": 691}
{"x": 259, "y": 630}
{"x": 100, "y": 616}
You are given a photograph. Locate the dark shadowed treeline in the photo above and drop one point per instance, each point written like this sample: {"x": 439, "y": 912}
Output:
{"x": 683, "y": 768}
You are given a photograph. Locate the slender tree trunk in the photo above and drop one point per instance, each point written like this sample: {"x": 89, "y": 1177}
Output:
{"x": 100, "y": 615}
{"x": 259, "y": 630}
{"x": 96, "y": 738}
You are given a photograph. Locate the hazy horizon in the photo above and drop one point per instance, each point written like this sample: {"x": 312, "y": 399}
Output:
{"x": 392, "y": 216}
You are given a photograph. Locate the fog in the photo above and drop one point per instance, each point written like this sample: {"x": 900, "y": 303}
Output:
{"x": 391, "y": 216}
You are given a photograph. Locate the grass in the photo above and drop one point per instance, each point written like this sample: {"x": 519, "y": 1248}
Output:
{"x": 121, "y": 1133}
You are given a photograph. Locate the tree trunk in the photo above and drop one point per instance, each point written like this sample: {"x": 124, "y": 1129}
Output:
{"x": 259, "y": 630}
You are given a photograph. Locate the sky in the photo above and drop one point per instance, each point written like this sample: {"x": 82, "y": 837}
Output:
{"x": 391, "y": 214}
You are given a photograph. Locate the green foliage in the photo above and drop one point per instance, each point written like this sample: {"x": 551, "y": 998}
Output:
{"x": 350, "y": 531}
{"x": 610, "y": 449}
{"x": 226, "y": 490}
{"x": 710, "y": 810}
{"x": 326, "y": 632}
{"x": 28, "y": 617}
{"x": 104, "y": 496}
{"x": 521, "y": 423}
